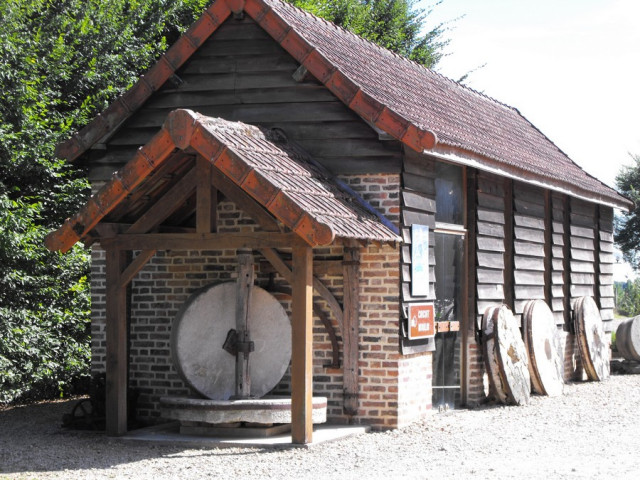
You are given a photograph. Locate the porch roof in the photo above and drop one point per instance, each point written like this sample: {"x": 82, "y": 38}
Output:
{"x": 278, "y": 175}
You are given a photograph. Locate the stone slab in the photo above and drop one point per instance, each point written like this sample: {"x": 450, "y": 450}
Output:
{"x": 168, "y": 433}
{"x": 267, "y": 410}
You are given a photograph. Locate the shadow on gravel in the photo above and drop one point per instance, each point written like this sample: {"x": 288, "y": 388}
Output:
{"x": 32, "y": 439}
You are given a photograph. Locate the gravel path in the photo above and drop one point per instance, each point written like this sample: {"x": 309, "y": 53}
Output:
{"x": 592, "y": 431}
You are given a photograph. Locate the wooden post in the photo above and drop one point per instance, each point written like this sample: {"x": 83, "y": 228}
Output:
{"x": 206, "y": 198}
{"x": 470, "y": 326}
{"x": 566, "y": 262}
{"x": 548, "y": 248}
{"x": 508, "y": 272}
{"x": 116, "y": 394}
{"x": 301, "y": 348}
{"x": 351, "y": 274}
{"x": 243, "y": 299}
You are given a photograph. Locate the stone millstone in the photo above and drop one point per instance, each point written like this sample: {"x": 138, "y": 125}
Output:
{"x": 200, "y": 330}
{"x": 628, "y": 339}
{"x": 542, "y": 341}
{"x": 496, "y": 388}
{"x": 592, "y": 342}
{"x": 512, "y": 357}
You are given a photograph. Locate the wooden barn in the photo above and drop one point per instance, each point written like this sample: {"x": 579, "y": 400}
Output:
{"x": 354, "y": 186}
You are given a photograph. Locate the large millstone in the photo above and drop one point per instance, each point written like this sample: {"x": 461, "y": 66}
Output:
{"x": 506, "y": 357}
{"x": 628, "y": 339}
{"x": 543, "y": 346}
{"x": 496, "y": 388}
{"x": 200, "y": 330}
{"x": 592, "y": 342}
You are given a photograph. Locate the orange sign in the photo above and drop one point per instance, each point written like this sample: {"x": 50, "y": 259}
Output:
{"x": 421, "y": 321}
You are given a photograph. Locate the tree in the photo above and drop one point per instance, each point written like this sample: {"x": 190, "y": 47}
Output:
{"x": 627, "y": 228}
{"x": 627, "y": 297}
{"x": 392, "y": 24}
{"x": 63, "y": 61}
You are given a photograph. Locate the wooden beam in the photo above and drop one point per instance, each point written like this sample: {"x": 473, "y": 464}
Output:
{"x": 326, "y": 321}
{"x": 160, "y": 179}
{"x": 244, "y": 282}
{"x": 470, "y": 327}
{"x": 202, "y": 241}
{"x": 508, "y": 272}
{"x": 116, "y": 368}
{"x": 283, "y": 269}
{"x": 206, "y": 193}
{"x": 244, "y": 201}
{"x": 566, "y": 261}
{"x": 351, "y": 330}
{"x": 548, "y": 247}
{"x": 106, "y": 230}
{"x": 302, "y": 346}
{"x": 135, "y": 266}
{"x": 171, "y": 200}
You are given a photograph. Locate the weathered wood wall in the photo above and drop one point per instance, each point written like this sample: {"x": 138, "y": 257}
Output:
{"x": 583, "y": 228}
{"x": 560, "y": 252}
{"x": 242, "y": 74}
{"x": 604, "y": 272}
{"x": 536, "y": 244}
{"x": 491, "y": 227}
{"x": 528, "y": 245}
{"x": 418, "y": 207}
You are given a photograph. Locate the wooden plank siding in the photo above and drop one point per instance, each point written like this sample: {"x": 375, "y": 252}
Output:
{"x": 536, "y": 244}
{"x": 606, "y": 261}
{"x": 418, "y": 207}
{"x": 490, "y": 242}
{"x": 559, "y": 260}
{"x": 529, "y": 245}
{"x": 583, "y": 227}
{"x": 242, "y": 74}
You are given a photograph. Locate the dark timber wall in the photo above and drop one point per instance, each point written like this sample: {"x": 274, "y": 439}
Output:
{"x": 418, "y": 207}
{"x": 532, "y": 243}
{"x": 491, "y": 231}
{"x": 241, "y": 74}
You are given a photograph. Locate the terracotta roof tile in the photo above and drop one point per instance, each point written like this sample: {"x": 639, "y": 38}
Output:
{"x": 278, "y": 174}
{"x": 422, "y": 108}
{"x": 458, "y": 116}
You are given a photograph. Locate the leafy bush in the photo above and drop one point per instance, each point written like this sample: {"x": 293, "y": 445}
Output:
{"x": 628, "y": 298}
{"x": 63, "y": 61}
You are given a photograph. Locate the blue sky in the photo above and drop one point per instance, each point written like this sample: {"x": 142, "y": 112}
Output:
{"x": 572, "y": 67}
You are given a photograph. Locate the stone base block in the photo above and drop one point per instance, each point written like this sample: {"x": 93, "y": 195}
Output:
{"x": 265, "y": 411}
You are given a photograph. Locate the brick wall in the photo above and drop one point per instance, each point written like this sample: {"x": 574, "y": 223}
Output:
{"x": 393, "y": 390}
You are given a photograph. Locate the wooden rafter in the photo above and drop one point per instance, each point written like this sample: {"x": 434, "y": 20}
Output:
{"x": 160, "y": 210}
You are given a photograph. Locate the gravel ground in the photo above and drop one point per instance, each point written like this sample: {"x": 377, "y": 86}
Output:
{"x": 592, "y": 431}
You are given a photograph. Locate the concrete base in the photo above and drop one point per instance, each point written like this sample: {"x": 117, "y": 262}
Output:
{"x": 267, "y": 410}
{"x": 238, "y": 430}
{"x": 169, "y": 433}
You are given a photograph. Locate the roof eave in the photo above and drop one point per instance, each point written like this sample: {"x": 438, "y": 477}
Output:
{"x": 475, "y": 160}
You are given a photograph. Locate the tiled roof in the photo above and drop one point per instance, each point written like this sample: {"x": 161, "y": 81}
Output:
{"x": 425, "y": 110}
{"x": 277, "y": 174}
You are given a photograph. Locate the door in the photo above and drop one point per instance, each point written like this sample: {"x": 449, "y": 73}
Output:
{"x": 449, "y": 251}
{"x": 449, "y": 246}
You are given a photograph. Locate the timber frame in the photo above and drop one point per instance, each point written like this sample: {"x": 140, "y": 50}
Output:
{"x": 207, "y": 167}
